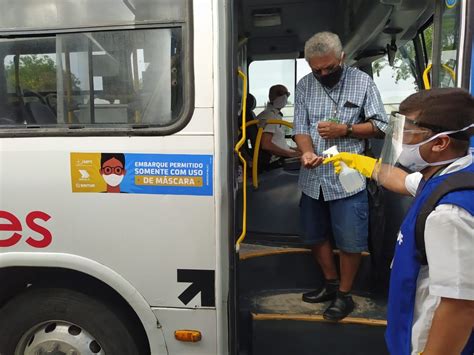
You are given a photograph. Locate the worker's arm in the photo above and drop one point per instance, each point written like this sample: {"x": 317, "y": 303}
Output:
{"x": 388, "y": 176}
{"x": 451, "y": 327}
{"x": 309, "y": 159}
{"x": 391, "y": 178}
{"x": 269, "y": 146}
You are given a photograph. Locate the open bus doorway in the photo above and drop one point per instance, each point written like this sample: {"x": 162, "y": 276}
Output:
{"x": 397, "y": 45}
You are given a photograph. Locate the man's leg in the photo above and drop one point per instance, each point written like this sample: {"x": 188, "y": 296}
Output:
{"x": 349, "y": 221}
{"x": 323, "y": 255}
{"x": 315, "y": 222}
{"x": 349, "y": 263}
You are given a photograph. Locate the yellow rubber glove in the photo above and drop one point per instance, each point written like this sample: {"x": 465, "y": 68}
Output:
{"x": 361, "y": 163}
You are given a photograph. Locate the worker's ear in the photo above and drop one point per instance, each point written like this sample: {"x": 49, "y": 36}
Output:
{"x": 441, "y": 143}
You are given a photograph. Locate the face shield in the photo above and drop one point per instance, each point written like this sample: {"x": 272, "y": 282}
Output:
{"x": 400, "y": 132}
{"x": 392, "y": 146}
{"x": 404, "y": 135}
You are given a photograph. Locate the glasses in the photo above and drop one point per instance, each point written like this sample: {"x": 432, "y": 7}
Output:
{"x": 117, "y": 170}
{"x": 413, "y": 133}
{"x": 407, "y": 130}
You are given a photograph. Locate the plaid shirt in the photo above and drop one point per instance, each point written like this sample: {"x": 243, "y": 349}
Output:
{"x": 356, "y": 96}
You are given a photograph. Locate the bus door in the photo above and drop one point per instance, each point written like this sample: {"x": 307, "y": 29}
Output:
{"x": 275, "y": 268}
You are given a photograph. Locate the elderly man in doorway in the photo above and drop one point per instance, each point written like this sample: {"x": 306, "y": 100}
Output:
{"x": 334, "y": 105}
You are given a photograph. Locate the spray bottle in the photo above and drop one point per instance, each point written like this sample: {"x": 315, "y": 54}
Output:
{"x": 350, "y": 178}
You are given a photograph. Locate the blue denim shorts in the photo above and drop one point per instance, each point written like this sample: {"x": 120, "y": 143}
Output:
{"x": 346, "y": 218}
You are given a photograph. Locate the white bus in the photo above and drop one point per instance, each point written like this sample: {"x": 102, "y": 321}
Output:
{"x": 126, "y": 226}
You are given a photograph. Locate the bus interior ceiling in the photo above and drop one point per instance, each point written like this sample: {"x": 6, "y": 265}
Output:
{"x": 277, "y": 29}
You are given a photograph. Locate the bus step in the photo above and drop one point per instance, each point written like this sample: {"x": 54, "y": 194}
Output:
{"x": 283, "y": 324}
{"x": 264, "y": 268}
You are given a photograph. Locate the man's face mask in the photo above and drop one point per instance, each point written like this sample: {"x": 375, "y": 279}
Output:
{"x": 332, "y": 78}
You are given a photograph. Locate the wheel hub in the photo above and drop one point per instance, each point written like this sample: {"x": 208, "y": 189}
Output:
{"x": 58, "y": 338}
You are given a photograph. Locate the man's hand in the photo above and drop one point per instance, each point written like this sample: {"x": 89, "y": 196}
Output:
{"x": 310, "y": 160}
{"x": 328, "y": 130}
{"x": 361, "y": 163}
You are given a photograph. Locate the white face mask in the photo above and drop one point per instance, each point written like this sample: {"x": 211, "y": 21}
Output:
{"x": 280, "y": 102}
{"x": 113, "y": 179}
{"x": 411, "y": 158}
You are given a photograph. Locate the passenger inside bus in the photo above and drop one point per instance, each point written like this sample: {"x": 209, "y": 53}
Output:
{"x": 345, "y": 106}
{"x": 274, "y": 145}
{"x": 251, "y": 130}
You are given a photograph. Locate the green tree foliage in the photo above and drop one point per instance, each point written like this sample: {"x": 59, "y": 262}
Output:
{"x": 37, "y": 73}
{"x": 404, "y": 58}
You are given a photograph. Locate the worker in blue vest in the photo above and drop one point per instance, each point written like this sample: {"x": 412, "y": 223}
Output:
{"x": 431, "y": 307}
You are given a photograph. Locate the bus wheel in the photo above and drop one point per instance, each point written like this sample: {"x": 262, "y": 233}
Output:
{"x": 62, "y": 321}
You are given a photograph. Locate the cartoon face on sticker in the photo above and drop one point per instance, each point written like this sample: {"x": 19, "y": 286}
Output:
{"x": 112, "y": 169}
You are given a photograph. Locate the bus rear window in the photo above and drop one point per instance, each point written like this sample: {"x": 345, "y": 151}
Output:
{"x": 109, "y": 79}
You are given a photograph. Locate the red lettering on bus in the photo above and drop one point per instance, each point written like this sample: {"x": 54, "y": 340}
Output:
{"x": 30, "y": 222}
{"x": 13, "y": 224}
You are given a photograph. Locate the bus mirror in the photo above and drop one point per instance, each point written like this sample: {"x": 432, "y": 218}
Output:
{"x": 391, "y": 52}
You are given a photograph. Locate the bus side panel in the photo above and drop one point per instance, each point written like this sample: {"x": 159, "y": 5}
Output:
{"x": 146, "y": 238}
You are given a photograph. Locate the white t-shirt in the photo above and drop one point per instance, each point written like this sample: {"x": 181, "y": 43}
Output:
{"x": 278, "y": 131}
{"x": 449, "y": 241}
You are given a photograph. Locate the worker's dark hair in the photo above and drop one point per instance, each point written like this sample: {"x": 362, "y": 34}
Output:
{"x": 413, "y": 103}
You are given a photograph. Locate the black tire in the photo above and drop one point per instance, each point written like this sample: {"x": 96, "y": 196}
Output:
{"x": 36, "y": 306}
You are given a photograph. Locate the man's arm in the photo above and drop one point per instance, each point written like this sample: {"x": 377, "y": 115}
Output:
{"x": 301, "y": 129}
{"x": 309, "y": 159}
{"x": 451, "y": 327}
{"x": 331, "y": 130}
{"x": 269, "y": 146}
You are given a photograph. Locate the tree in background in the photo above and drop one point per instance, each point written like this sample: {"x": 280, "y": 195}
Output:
{"x": 37, "y": 73}
{"x": 404, "y": 64}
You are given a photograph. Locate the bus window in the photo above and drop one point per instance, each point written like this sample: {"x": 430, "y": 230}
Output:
{"x": 449, "y": 42}
{"x": 111, "y": 79}
{"x": 396, "y": 82}
{"x": 266, "y": 73}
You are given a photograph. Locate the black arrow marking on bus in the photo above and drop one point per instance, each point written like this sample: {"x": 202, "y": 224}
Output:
{"x": 201, "y": 281}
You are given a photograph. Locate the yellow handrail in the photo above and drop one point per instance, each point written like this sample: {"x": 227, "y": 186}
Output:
{"x": 426, "y": 80}
{"x": 256, "y": 149}
{"x": 239, "y": 145}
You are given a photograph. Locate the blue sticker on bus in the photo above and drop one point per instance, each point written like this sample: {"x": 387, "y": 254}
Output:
{"x": 168, "y": 174}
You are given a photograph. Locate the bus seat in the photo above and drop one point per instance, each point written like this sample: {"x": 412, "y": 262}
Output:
{"x": 41, "y": 113}
{"x": 12, "y": 113}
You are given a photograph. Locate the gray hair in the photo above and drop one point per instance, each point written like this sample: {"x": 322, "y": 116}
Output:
{"x": 322, "y": 43}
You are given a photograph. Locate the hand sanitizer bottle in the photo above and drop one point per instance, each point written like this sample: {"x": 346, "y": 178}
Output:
{"x": 350, "y": 178}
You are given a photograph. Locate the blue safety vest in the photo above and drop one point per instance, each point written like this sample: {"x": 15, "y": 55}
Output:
{"x": 406, "y": 266}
